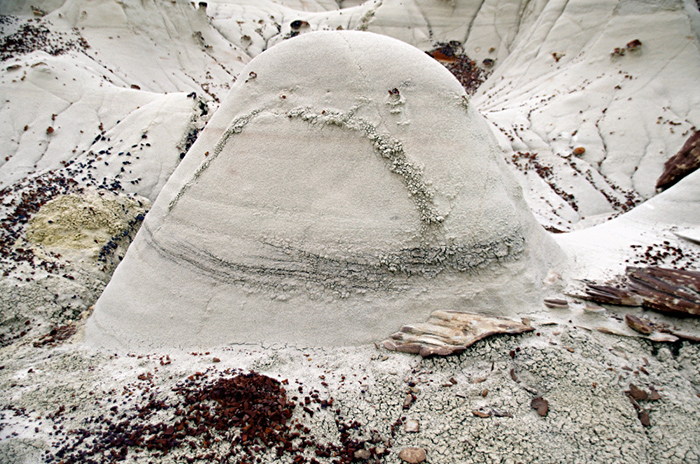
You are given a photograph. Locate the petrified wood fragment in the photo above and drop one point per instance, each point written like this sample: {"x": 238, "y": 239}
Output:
{"x": 682, "y": 163}
{"x": 638, "y": 324}
{"x": 556, "y": 303}
{"x": 667, "y": 290}
{"x": 450, "y": 332}
{"x": 612, "y": 295}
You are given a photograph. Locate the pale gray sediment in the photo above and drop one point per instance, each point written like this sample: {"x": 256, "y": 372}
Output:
{"x": 582, "y": 375}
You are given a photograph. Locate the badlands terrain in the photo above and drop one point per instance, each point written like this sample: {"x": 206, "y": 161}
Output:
{"x": 314, "y": 192}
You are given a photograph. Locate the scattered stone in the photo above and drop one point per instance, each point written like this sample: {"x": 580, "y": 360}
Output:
{"x": 611, "y": 295}
{"x": 610, "y": 331}
{"x": 299, "y": 24}
{"x": 637, "y": 393}
{"x": 644, "y": 418}
{"x": 579, "y": 151}
{"x": 638, "y": 324}
{"x": 481, "y": 414}
{"x": 29, "y": 38}
{"x": 412, "y": 455}
{"x": 250, "y": 411}
{"x": 452, "y": 56}
{"x": 540, "y": 405}
{"x": 663, "y": 337}
{"x": 617, "y": 52}
{"x": 666, "y": 290}
{"x": 451, "y": 332}
{"x": 661, "y": 289}
{"x": 683, "y": 335}
{"x": 412, "y": 426}
{"x": 634, "y": 45}
{"x": 556, "y": 303}
{"x": 410, "y": 398}
{"x": 682, "y": 163}
{"x": 56, "y": 336}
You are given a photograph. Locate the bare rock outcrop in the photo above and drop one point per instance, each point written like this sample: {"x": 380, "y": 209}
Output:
{"x": 344, "y": 187}
{"x": 682, "y": 163}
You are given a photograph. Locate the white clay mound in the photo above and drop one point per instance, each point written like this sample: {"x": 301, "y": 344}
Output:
{"x": 344, "y": 187}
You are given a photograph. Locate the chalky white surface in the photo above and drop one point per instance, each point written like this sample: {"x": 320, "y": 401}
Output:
{"x": 535, "y": 105}
{"x": 344, "y": 187}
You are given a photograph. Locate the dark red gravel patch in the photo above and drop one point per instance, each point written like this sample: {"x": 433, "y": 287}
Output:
{"x": 34, "y": 35}
{"x": 57, "y": 335}
{"x": 236, "y": 418}
{"x": 467, "y": 72}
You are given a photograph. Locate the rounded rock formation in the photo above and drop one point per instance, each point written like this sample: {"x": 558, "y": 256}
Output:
{"x": 343, "y": 188}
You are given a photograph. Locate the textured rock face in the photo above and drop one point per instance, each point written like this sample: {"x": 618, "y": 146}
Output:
{"x": 86, "y": 225}
{"x": 344, "y": 187}
{"x": 682, "y": 163}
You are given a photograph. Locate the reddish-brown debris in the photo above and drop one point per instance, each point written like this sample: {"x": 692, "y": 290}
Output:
{"x": 612, "y": 295}
{"x": 637, "y": 393}
{"x": 661, "y": 289}
{"x": 682, "y": 163}
{"x": 452, "y": 56}
{"x": 230, "y": 419}
{"x": 56, "y": 336}
{"x": 667, "y": 290}
{"x": 638, "y": 324}
{"x": 540, "y": 405}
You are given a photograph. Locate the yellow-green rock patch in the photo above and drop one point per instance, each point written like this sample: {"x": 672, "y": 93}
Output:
{"x": 85, "y": 222}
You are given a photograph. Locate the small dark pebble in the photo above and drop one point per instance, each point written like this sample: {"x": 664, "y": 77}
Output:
{"x": 540, "y": 405}
{"x": 637, "y": 393}
{"x": 644, "y": 418}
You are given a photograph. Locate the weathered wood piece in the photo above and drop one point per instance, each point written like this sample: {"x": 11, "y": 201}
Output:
{"x": 662, "y": 289}
{"x": 682, "y": 163}
{"x": 611, "y": 295}
{"x": 451, "y": 332}
{"x": 638, "y": 324}
{"x": 556, "y": 303}
{"x": 666, "y": 290}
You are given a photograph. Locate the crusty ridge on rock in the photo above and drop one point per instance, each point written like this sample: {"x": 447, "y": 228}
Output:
{"x": 343, "y": 188}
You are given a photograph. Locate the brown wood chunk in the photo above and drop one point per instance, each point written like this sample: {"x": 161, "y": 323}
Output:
{"x": 638, "y": 324}
{"x": 682, "y": 163}
{"x": 612, "y": 295}
{"x": 637, "y": 393}
{"x": 451, "y": 332}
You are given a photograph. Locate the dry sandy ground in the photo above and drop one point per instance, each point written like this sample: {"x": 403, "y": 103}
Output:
{"x": 51, "y": 396}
